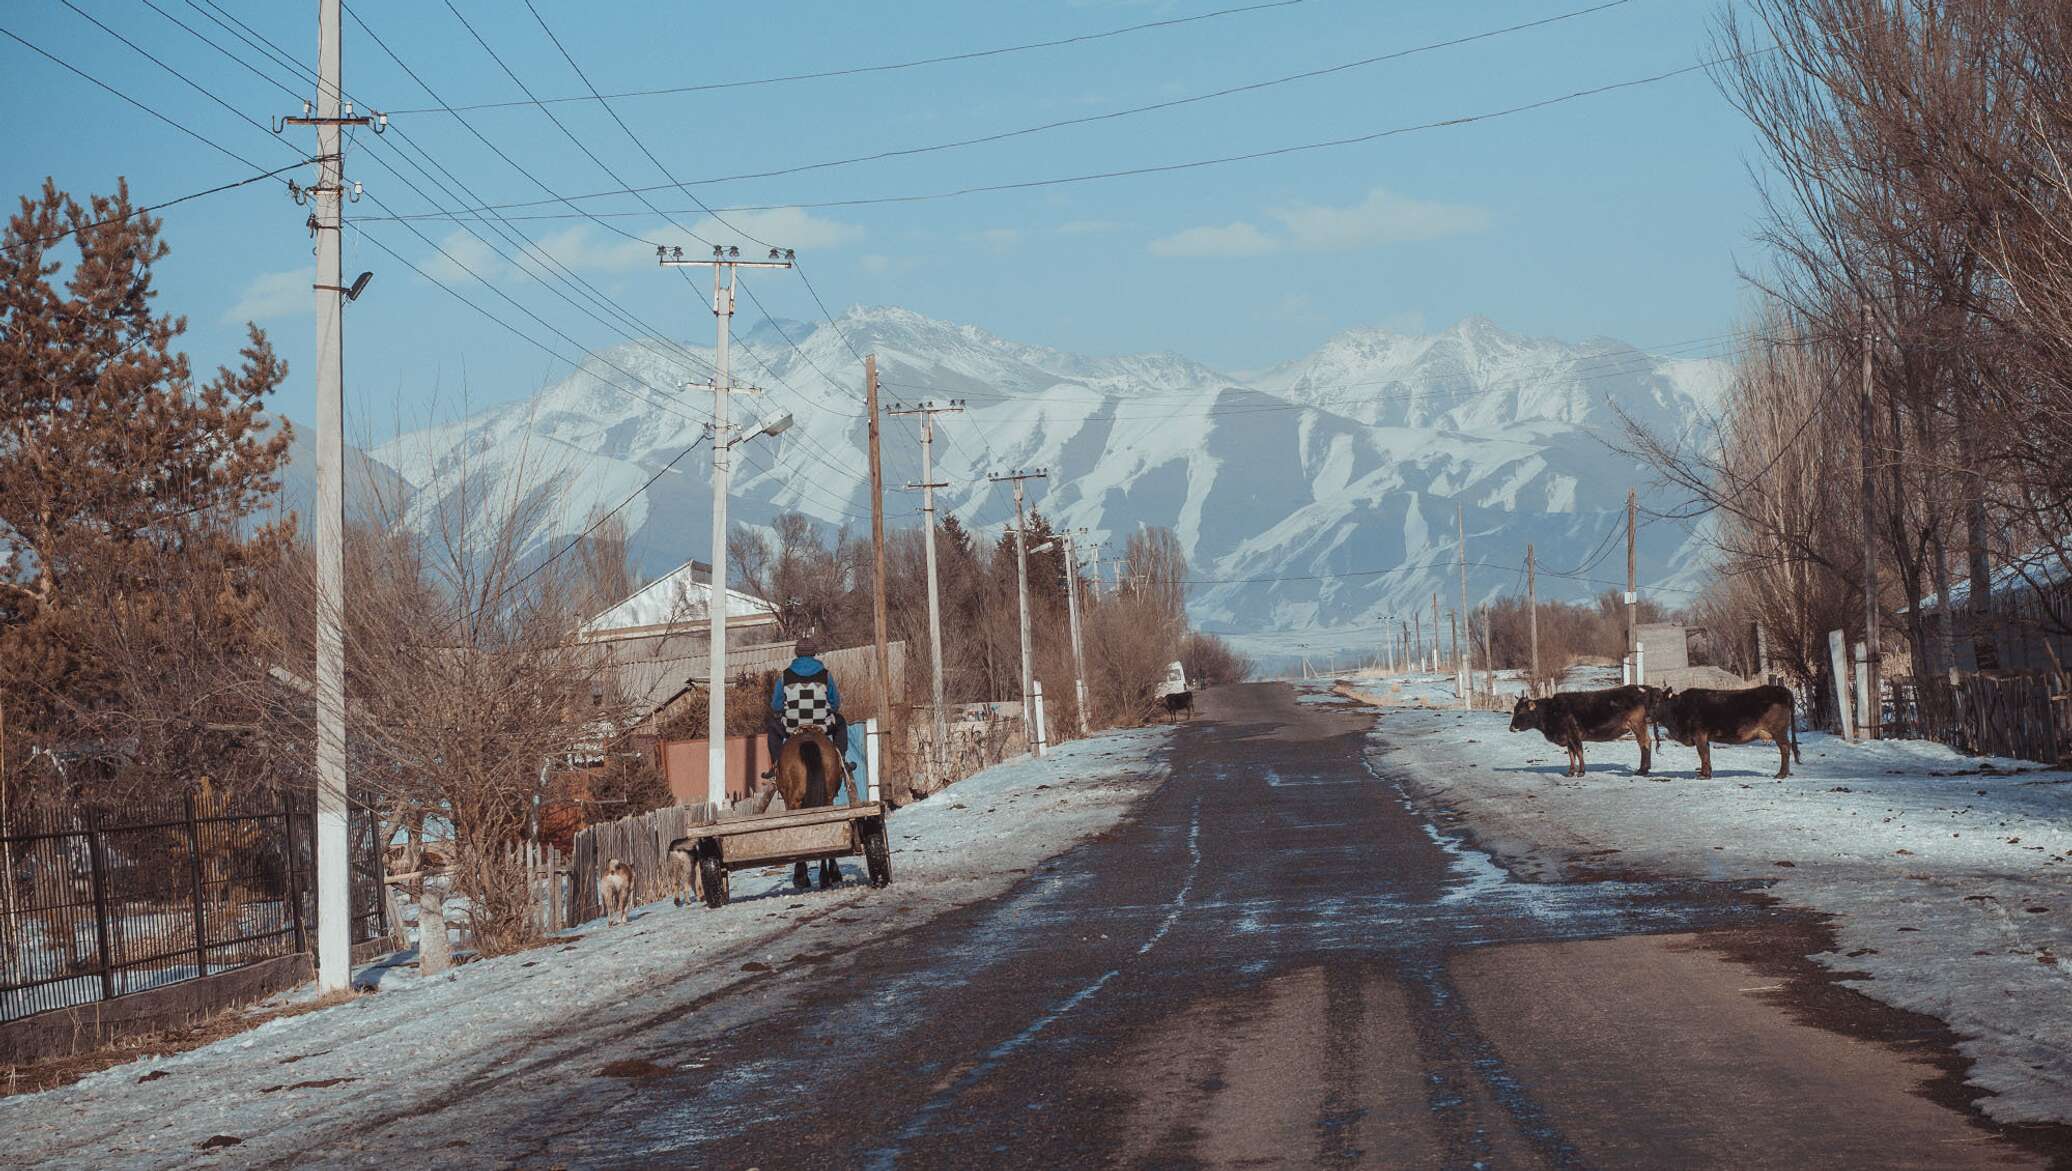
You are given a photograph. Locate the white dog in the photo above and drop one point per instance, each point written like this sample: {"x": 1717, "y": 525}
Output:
{"x": 617, "y": 888}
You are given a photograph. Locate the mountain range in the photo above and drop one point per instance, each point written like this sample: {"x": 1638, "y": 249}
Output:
{"x": 1316, "y": 500}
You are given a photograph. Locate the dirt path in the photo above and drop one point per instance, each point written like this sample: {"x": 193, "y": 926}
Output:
{"x": 1274, "y": 961}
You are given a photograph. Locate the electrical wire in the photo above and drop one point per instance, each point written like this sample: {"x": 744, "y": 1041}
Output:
{"x": 852, "y": 71}
{"x": 1187, "y": 165}
{"x": 162, "y": 205}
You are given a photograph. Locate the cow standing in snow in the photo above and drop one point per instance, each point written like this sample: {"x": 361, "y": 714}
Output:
{"x": 1572, "y": 717}
{"x": 1703, "y": 714}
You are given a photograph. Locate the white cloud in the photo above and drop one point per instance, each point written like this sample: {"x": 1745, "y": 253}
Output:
{"x": 274, "y": 294}
{"x": 1000, "y": 239}
{"x": 1238, "y": 239}
{"x": 1086, "y": 227}
{"x": 1381, "y": 218}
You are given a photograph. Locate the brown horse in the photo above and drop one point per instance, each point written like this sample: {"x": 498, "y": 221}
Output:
{"x": 808, "y": 769}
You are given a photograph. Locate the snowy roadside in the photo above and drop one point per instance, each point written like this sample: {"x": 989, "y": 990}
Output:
{"x": 299, "y": 1085}
{"x": 1949, "y": 877}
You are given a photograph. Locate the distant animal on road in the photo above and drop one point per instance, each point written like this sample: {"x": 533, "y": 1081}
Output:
{"x": 1180, "y": 703}
{"x": 617, "y": 889}
{"x": 1702, "y": 715}
{"x": 1572, "y": 717}
{"x": 808, "y": 769}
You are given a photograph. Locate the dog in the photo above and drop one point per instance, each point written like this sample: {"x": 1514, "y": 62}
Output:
{"x": 617, "y": 888}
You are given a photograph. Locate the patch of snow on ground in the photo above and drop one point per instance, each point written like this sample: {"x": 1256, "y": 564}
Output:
{"x": 1951, "y": 887}
{"x": 419, "y": 1040}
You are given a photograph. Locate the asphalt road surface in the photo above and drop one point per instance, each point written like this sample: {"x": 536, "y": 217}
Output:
{"x": 1275, "y": 961}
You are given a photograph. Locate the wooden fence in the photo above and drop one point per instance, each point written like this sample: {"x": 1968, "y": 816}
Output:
{"x": 642, "y": 842}
{"x": 2027, "y": 716}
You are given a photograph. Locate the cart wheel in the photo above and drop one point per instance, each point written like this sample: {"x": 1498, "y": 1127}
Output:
{"x": 877, "y": 853}
{"x": 714, "y": 877}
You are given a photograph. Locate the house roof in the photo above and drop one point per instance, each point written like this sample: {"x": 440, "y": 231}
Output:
{"x": 678, "y": 598}
{"x": 2045, "y": 566}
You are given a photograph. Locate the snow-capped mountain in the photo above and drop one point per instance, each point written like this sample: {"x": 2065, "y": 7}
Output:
{"x": 1318, "y": 495}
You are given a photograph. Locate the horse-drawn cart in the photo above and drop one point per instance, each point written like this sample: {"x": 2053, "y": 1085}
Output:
{"x": 805, "y": 835}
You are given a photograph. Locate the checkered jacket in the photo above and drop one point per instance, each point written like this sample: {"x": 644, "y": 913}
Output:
{"x": 806, "y": 700}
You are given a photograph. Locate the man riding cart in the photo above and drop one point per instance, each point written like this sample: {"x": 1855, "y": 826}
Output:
{"x": 805, "y": 696}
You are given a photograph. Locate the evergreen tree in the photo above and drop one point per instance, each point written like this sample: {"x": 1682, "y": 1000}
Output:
{"x": 124, "y": 487}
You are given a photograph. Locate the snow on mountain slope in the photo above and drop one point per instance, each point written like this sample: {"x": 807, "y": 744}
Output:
{"x": 1336, "y": 476}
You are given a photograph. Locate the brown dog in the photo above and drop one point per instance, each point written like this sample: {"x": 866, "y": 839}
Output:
{"x": 808, "y": 769}
{"x": 617, "y": 888}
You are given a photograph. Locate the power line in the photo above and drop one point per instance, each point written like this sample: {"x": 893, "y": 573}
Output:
{"x": 972, "y": 55}
{"x": 161, "y": 206}
{"x": 1130, "y": 111}
{"x": 1170, "y": 168}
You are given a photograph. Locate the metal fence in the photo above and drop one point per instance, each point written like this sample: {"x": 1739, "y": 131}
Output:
{"x": 114, "y": 903}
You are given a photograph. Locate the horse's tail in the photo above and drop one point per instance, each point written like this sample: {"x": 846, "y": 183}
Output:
{"x": 813, "y": 754}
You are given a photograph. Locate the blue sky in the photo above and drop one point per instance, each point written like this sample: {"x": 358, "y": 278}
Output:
{"x": 1621, "y": 214}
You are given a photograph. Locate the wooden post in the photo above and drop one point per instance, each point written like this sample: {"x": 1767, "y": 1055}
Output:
{"x": 294, "y": 875}
{"x": 1866, "y": 702}
{"x": 98, "y": 868}
{"x": 1467, "y": 661}
{"x": 1488, "y": 659}
{"x": 1868, "y": 708}
{"x": 870, "y": 379}
{"x": 1838, "y": 663}
{"x": 1632, "y": 585}
{"x": 201, "y": 920}
{"x": 1532, "y": 611}
{"x": 553, "y": 889}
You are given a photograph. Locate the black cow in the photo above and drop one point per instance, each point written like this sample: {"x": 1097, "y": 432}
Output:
{"x": 1572, "y": 717}
{"x": 1702, "y": 714}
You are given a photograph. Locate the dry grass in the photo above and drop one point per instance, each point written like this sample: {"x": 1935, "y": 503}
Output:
{"x": 51, "y": 1072}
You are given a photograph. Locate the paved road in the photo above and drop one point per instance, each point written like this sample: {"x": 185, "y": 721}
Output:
{"x": 1274, "y": 962}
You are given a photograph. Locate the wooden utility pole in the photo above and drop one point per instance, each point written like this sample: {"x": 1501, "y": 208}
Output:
{"x": 1460, "y": 675}
{"x": 1072, "y": 609}
{"x": 1869, "y": 715}
{"x": 1488, "y": 658}
{"x": 1466, "y": 668}
{"x": 1532, "y": 612}
{"x": 1632, "y": 587}
{"x": 884, "y": 655}
{"x": 1435, "y": 632}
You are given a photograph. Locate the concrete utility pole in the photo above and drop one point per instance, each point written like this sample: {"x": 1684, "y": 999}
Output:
{"x": 1072, "y": 608}
{"x": 1096, "y": 584}
{"x": 724, "y": 260}
{"x": 1460, "y": 675}
{"x": 928, "y": 412}
{"x": 1532, "y": 610}
{"x": 1488, "y": 658}
{"x": 330, "y": 114}
{"x": 1467, "y": 660}
{"x": 1632, "y": 586}
{"x": 1871, "y": 701}
{"x": 1021, "y": 577}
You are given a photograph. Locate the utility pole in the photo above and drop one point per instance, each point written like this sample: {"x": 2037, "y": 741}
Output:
{"x": 1460, "y": 675}
{"x": 1435, "y": 632}
{"x": 329, "y": 115}
{"x": 1488, "y": 658}
{"x": 928, "y": 412}
{"x": 1532, "y": 610}
{"x": 1021, "y": 577}
{"x": 724, "y": 260}
{"x": 1072, "y": 608}
{"x": 1096, "y": 547}
{"x": 1632, "y": 586}
{"x": 1873, "y": 703}
{"x": 884, "y": 658}
{"x": 1467, "y": 661}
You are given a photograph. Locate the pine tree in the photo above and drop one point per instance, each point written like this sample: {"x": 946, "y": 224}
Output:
{"x": 124, "y": 487}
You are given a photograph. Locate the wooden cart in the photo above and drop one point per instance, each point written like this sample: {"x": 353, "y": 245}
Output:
{"x": 806, "y": 835}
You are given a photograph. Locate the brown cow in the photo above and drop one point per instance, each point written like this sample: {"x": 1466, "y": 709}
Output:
{"x": 1702, "y": 714}
{"x": 1572, "y": 717}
